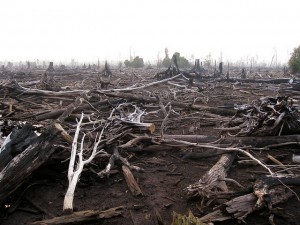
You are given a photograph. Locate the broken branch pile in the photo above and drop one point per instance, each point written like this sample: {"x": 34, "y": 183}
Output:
{"x": 265, "y": 117}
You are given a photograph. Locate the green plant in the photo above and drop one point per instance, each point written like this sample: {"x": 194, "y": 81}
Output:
{"x": 137, "y": 62}
{"x": 127, "y": 63}
{"x": 294, "y": 61}
{"x": 190, "y": 219}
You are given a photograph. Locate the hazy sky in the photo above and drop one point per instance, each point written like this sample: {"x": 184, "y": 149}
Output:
{"x": 60, "y": 30}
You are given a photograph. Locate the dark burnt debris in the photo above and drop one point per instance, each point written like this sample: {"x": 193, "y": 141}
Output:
{"x": 267, "y": 116}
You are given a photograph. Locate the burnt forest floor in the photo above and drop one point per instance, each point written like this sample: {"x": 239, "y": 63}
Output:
{"x": 166, "y": 174}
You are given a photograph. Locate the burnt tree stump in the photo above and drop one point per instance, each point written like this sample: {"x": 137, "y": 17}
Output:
{"x": 50, "y": 67}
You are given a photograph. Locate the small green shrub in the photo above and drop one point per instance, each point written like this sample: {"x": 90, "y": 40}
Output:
{"x": 190, "y": 219}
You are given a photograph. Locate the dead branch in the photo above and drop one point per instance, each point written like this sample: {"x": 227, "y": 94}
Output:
{"x": 131, "y": 182}
{"x": 82, "y": 217}
{"x": 116, "y": 157}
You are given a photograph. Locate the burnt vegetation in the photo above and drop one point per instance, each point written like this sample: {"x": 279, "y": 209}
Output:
{"x": 196, "y": 142}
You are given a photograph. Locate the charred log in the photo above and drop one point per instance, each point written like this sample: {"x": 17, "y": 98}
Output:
{"x": 17, "y": 141}
{"x": 22, "y": 165}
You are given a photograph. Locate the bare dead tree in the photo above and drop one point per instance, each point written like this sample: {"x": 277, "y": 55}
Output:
{"x": 75, "y": 169}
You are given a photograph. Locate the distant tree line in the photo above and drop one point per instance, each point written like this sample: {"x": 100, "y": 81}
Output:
{"x": 294, "y": 61}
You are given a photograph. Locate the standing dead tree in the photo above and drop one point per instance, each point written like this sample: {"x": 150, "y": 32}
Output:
{"x": 74, "y": 171}
{"x": 106, "y": 72}
{"x": 243, "y": 74}
{"x": 197, "y": 69}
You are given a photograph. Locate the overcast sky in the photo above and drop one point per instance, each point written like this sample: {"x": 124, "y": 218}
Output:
{"x": 60, "y": 30}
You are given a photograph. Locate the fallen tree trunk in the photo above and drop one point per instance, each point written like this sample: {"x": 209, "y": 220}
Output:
{"x": 249, "y": 141}
{"x": 83, "y": 217}
{"x": 56, "y": 113}
{"x": 22, "y": 165}
{"x": 15, "y": 88}
{"x": 273, "y": 81}
{"x": 140, "y": 98}
{"x": 240, "y": 207}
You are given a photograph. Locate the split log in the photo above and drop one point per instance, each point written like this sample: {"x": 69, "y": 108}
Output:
{"x": 213, "y": 179}
{"x": 240, "y": 207}
{"x": 83, "y": 217}
{"x": 22, "y": 165}
{"x": 131, "y": 182}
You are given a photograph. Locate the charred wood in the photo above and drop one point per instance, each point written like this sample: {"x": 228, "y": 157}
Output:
{"x": 240, "y": 207}
{"x": 22, "y": 165}
{"x": 16, "y": 143}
